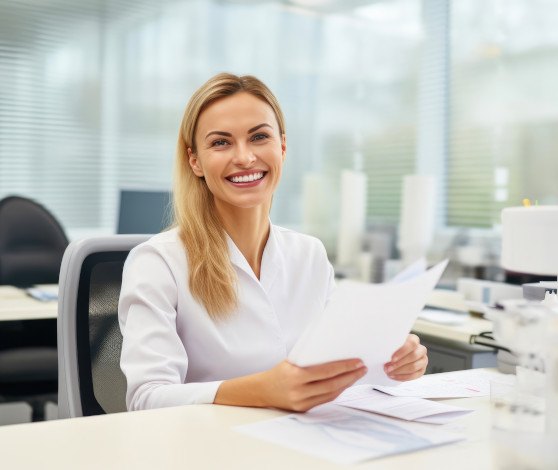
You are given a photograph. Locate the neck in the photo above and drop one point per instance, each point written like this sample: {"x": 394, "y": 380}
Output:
{"x": 249, "y": 230}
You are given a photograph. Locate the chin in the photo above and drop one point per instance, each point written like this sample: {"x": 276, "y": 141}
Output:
{"x": 248, "y": 202}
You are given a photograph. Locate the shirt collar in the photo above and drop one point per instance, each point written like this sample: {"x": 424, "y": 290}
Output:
{"x": 270, "y": 259}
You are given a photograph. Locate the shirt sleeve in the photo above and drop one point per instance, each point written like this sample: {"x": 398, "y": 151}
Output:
{"x": 153, "y": 358}
{"x": 331, "y": 286}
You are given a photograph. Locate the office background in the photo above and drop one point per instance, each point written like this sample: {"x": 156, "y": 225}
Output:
{"x": 92, "y": 93}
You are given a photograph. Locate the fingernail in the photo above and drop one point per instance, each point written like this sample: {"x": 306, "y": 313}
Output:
{"x": 389, "y": 369}
{"x": 359, "y": 364}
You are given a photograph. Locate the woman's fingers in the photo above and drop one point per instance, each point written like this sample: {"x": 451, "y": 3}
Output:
{"x": 319, "y": 400}
{"x": 324, "y": 391}
{"x": 410, "y": 376}
{"x": 331, "y": 369}
{"x": 417, "y": 366}
{"x": 411, "y": 343}
{"x": 291, "y": 387}
{"x": 408, "y": 362}
{"x": 335, "y": 384}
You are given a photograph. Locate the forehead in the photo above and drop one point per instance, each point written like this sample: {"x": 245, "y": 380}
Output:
{"x": 238, "y": 111}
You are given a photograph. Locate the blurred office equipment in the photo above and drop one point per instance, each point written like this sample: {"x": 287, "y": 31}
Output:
{"x": 479, "y": 294}
{"x": 379, "y": 247}
{"x": 352, "y": 218}
{"x": 529, "y": 236}
{"x": 32, "y": 243}
{"x": 530, "y": 328}
{"x": 144, "y": 211}
{"x": 318, "y": 209}
{"x": 89, "y": 338}
{"x": 416, "y": 228}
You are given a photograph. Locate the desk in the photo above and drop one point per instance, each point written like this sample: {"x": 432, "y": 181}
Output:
{"x": 449, "y": 348}
{"x": 16, "y": 305}
{"x": 200, "y": 437}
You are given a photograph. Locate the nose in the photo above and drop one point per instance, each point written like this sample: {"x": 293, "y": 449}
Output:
{"x": 243, "y": 156}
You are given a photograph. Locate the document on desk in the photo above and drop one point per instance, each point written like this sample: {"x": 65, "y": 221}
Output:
{"x": 364, "y": 397}
{"x": 366, "y": 321}
{"x": 347, "y": 436}
{"x": 458, "y": 384}
{"x": 43, "y": 292}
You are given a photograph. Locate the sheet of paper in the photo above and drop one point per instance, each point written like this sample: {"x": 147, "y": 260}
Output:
{"x": 459, "y": 384}
{"x": 347, "y": 436}
{"x": 410, "y": 272}
{"x": 366, "y": 321}
{"x": 44, "y": 293}
{"x": 364, "y": 397}
{"x": 444, "y": 317}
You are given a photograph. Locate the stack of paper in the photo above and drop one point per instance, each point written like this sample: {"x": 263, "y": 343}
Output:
{"x": 364, "y": 397}
{"x": 347, "y": 436}
{"x": 459, "y": 384}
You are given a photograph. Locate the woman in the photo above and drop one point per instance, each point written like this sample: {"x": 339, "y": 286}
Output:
{"x": 210, "y": 309}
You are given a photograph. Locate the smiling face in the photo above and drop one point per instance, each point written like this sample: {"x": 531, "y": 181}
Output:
{"x": 239, "y": 151}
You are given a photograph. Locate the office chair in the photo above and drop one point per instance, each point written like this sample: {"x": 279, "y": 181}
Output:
{"x": 32, "y": 243}
{"x": 89, "y": 338}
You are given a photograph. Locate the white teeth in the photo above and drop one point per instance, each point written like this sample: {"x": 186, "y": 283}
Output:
{"x": 247, "y": 178}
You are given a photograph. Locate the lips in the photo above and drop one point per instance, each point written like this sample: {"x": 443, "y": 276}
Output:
{"x": 246, "y": 177}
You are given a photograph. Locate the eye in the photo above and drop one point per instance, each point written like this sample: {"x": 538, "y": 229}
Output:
{"x": 219, "y": 143}
{"x": 259, "y": 136}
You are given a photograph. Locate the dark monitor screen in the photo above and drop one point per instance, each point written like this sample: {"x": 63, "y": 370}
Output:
{"x": 144, "y": 212}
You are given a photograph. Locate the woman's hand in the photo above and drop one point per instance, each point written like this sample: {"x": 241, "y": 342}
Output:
{"x": 409, "y": 361}
{"x": 290, "y": 387}
{"x": 296, "y": 388}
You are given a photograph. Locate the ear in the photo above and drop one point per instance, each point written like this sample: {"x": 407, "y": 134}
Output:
{"x": 194, "y": 162}
{"x": 284, "y": 145}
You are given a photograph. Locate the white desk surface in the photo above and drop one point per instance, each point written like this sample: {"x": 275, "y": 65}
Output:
{"x": 201, "y": 437}
{"x": 15, "y": 304}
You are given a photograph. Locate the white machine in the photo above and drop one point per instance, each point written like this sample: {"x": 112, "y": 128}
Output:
{"x": 529, "y": 329}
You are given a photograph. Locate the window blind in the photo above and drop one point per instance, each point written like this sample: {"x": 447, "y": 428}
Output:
{"x": 49, "y": 136}
{"x": 503, "y": 107}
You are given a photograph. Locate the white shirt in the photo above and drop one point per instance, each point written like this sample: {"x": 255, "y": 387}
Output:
{"x": 173, "y": 353}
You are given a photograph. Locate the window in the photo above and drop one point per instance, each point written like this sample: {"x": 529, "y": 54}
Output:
{"x": 504, "y": 111}
{"x": 92, "y": 93}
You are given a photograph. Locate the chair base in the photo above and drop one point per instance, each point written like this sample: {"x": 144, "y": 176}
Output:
{"x": 36, "y": 402}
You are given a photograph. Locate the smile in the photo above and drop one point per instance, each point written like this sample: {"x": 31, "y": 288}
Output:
{"x": 245, "y": 179}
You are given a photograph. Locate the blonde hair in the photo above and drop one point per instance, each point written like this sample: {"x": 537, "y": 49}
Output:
{"x": 212, "y": 279}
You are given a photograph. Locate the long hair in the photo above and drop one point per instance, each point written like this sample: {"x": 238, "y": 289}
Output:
{"x": 212, "y": 279}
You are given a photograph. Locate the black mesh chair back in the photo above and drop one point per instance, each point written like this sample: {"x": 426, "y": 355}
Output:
{"x": 89, "y": 339}
{"x": 102, "y": 383}
{"x": 32, "y": 243}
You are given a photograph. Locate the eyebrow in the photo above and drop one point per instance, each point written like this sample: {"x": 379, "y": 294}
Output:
{"x": 228, "y": 134}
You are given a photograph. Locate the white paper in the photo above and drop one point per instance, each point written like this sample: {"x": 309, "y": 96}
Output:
{"x": 410, "y": 272}
{"x": 347, "y": 436}
{"x": 364, "y": 397}
{"x": 366, "y": 321}
{"x": 43, "y": 292}
{"x": 444, "y": 317}
{"x": 459, "y": 384}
